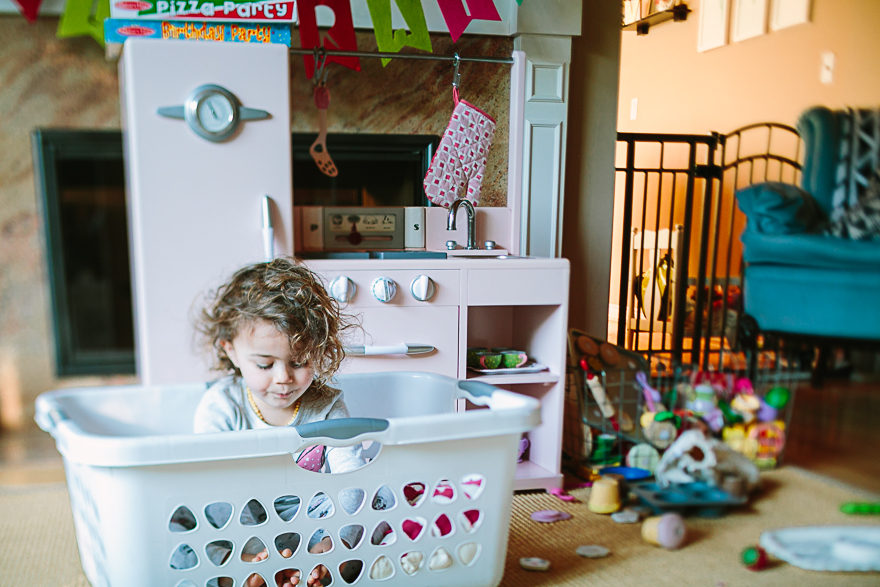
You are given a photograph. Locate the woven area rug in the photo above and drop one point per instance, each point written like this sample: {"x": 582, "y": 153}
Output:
{"x": 37, "y": 544}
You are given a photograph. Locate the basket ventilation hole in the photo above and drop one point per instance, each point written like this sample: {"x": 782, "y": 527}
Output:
{"x": 287, "y": 577}
{"x": 442, "y": 527}
{"x": 350, "y": 571}
{"x": 352, "y": 499}
{"x": 440, "y": 560}
{"x": 414, "y": 527}
{"x": 287, "y": 506}
{"x": 384, "y": 499}
{"x": 382, "y": 569}
{"x": 320, "y": 506}
{"x": 468, "y": 553}
{"x": 320, "y": 542}
{"x": 182, "y": 520}
{"x": 323, "y": 574}
{"x": 254, "y": 551}
{"x": 287, "y": 544}
{"x": 253, "y": 514}
{"x": 383, "y": 535}
{"x": 472, "y": 486}
{"x": 218, "y": 513}
{"x": 411, "y": 562}
{"x": 414, "y": 493}
{"x": 184, "y": 558}
{"x": 218, "y": 551}
{"x": 443, "y": 493}
{"x": 186, "y": 583}
{"x": 351, "y": 535}
{"x": 255, "y": 580}
{"x": 220, "y": 582}
{"x": 470, "y": 520}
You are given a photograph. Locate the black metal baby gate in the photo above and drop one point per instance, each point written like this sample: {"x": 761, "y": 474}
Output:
{"x": 680, "y": 259}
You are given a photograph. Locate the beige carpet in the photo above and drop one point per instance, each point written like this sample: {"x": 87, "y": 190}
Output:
{"x": 37, "y": 545}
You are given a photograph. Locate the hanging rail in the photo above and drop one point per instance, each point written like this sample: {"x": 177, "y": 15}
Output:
{"x": 387, "y": 55}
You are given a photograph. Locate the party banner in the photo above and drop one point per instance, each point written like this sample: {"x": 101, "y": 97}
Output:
{"x": 236, "y": 10}
{"x": 391, "y": 41}
{"x": 341, "y": 34}
{"x": 78, "y": 20}
{"x": 29, "y": 9}
{"x": 458, "y": 19}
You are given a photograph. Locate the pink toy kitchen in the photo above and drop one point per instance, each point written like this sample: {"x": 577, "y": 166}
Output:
{"x": 433, "y": 256}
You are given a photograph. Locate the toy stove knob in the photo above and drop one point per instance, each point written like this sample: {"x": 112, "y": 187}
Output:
{"x": 383, "y": 289}
{"x": 342, "y": 289}
{"x": 422, "y": 288}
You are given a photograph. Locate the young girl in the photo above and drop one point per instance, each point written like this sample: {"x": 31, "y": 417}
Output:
{"x": 277, "y": 334}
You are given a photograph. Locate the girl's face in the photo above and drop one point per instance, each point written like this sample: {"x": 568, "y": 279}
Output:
{"x": 274, "y": 376}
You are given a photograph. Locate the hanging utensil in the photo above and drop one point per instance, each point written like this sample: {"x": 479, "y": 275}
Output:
{"x": 318, "y": 150}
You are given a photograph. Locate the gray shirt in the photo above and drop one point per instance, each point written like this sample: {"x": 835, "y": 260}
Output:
{"x": 225, "y": 406}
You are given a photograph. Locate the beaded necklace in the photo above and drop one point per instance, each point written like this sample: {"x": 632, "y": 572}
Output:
{"x": 260, "y": 414}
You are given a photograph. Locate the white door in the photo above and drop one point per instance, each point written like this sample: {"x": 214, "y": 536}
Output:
{"x": 195, "y": 205}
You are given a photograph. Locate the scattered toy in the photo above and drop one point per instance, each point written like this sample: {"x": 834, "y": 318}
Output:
{"x": 861, "y": 508}
{"x": 626, "y": 516}
{"x": 561, "y": 494}
{"x": 605, "y": 496}
{"x": 534, "y": 564}
{"x": 667, "y": 531}
{"x": 549, "y": 516}
{"x": 754, "y": 558}
{"x": 592, "y": 551}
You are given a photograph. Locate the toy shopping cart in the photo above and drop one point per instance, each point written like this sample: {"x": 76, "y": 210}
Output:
{"x": 155, "y": 505}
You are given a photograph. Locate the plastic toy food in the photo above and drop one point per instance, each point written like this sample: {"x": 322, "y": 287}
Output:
{"x": 778, "y": 397}
{"x": 754, "y": 558}
{"x": 667, "y": 531}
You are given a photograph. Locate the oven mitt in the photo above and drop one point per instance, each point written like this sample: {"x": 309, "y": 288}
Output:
{"x": 457, "y": 168}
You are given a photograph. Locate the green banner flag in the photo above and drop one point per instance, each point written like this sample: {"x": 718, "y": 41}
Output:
{"x": 78, "y": 19}
{"x": 391, "y": 41}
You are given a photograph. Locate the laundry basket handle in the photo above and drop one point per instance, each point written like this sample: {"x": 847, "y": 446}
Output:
{"x": 342, "y": 428}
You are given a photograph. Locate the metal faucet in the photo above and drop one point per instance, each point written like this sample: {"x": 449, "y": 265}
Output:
{"x": 471, "y": 221}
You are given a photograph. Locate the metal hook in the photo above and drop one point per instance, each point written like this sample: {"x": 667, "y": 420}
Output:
{"x": 320, "y": 66}
{"x": 456, "y": 76}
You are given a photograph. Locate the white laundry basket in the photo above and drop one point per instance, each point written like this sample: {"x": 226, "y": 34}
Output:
{"x": 132, "y": 465}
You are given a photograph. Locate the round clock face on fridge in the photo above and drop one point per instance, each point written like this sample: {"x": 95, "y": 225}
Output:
{"x": 212, "y": 112}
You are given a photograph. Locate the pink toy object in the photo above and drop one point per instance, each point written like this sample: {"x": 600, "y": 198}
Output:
{"x": 561, "y": 494}
{"x": 743, "y": 385}
{"x": 457, "y": 168}
{"x": 523, "y": 445}
{"x": 312, "y": 459}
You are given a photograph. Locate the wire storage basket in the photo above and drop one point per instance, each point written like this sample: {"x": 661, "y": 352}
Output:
{"x": 623, "y": 412}
{"x": 154, "y": 504}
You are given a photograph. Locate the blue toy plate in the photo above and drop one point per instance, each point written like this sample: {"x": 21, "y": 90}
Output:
{"x": 629, "y": 473}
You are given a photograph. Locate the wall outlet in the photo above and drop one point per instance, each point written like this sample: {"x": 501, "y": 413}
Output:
{"x": 826, "y": 71}
{"x": 634, "y": 109}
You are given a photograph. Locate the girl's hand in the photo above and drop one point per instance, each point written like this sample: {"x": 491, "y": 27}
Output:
{"x": 289, "y": 578}
{"x": 319, "y": 573}
{"x": 323, "y": 546}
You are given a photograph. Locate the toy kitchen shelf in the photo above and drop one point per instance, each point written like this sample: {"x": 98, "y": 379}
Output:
{"x": 524, "y": 305}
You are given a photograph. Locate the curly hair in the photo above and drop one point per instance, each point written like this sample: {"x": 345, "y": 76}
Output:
{"x": 287, "y": 295}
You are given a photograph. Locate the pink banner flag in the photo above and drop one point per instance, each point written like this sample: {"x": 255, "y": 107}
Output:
{"x": 341, "y": 34}
{"x": 458, "y": 18}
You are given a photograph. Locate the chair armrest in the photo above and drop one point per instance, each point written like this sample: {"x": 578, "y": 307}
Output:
{"x": 780, "y": 208}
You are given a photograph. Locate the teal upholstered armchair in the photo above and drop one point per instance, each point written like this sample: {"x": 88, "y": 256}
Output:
{"x": 797, "y": 279}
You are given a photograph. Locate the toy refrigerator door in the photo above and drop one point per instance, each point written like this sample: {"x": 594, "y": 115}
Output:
{"x": 195, "y": 206}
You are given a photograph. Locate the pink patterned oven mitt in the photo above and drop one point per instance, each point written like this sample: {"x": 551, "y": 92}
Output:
{"x": 460, "y": 161}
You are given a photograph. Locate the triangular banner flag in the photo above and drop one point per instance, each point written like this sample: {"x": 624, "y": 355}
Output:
{"x": 29, "y": 9}
{"x": 341, "y": 34}
{"x": 392, "y": 41}
{"x": 78, "y": 20}
{"x": 519, "y": 2}
{"x": 458, "y": 19}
